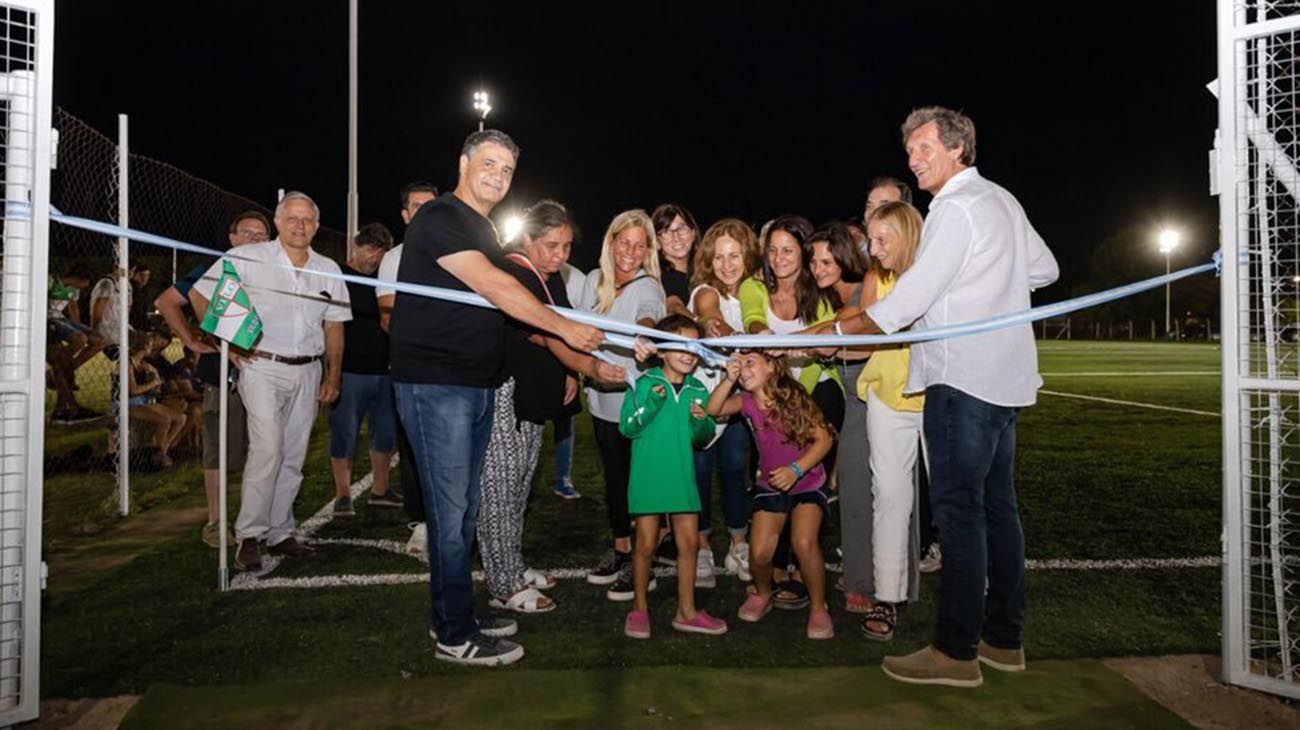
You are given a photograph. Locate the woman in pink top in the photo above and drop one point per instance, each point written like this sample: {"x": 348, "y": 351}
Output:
{"x": 793, "y": 438}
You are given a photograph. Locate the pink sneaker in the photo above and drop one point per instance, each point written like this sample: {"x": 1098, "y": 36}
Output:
{"x": 637, "y": 625}
{"x": 755, "y": 608}
{"x": 820, "y": 625}
{"x": 702, "y": 623}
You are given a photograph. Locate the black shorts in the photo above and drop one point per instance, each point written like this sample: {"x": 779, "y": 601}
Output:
{"x": 769, "y": 500}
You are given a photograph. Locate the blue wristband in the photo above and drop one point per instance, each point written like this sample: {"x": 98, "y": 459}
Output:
{"x": 798, "y": 473}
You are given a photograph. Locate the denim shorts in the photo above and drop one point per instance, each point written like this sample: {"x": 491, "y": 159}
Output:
{"x": 770, "y": 500}
{"x": 363, "y": 396}
{"x": 63, "y": 329}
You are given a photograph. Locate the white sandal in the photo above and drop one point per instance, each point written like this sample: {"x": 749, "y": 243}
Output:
{"x": 529, "y": 600}
{"x": 539, "y": 580}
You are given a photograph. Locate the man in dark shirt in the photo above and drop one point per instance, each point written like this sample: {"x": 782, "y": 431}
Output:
{"x": 367, "y": 391}
{"x": 447, "y": 360}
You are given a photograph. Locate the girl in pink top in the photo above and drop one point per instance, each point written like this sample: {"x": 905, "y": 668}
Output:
{"x": 792, "y": 438}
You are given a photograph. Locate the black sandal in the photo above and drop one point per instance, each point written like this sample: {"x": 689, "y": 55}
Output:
{"x": 790, "y": 595}
{"x": 881, "y": 613}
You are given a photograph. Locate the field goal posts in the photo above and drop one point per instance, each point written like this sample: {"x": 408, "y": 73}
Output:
{"x": 1258, "y": 153}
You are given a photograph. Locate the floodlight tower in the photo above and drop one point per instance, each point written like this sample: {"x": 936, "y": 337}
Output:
{"x": 481, "y": 106}
{"x": 1168, "y": 241}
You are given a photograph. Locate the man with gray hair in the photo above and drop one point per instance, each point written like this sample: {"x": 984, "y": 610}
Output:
{"x": 979, "y": 258}
{"x": 281, "y": 380}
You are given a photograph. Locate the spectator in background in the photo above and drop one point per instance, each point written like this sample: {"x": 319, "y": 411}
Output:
{"x": 106, "y": 308}
{"x": 677, "y": 232}
{"x": 282, "y": 381}
{"x": 413, "y": 196}
{"x": 883, "y": 189}
{"x": 177, "y": 392}
{"x": 70, "y": 343}
{"x": 367, "y": 391}
{"x": 247, "y": 227}
{"x": 144, "y": 385}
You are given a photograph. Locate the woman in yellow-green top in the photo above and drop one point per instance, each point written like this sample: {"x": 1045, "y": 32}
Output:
{"x": 783, "y": 301}
{"x": 893, "y": 426}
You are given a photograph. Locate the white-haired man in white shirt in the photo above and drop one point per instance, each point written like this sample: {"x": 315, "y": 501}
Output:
{"x": 296, "y": 366}
{"x": 979, "y": 257}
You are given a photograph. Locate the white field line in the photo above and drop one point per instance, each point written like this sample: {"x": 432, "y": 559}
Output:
{"x": 1135, "y": 404}
{"x": 1131, "y": 374}
{"x": 339, "y": 581}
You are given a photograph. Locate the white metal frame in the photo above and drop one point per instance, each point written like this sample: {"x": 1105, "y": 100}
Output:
{"x": 28, "y": 95}
{"x": 1246, "y": 138}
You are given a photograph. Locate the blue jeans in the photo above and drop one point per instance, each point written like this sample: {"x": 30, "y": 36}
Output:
{"x": 363, "y": 396}
{"x": 731, "y": 454}
{"x": 563, "y": 449}
{"x": 972, "y": 447}
{"x": 449, "y": 427}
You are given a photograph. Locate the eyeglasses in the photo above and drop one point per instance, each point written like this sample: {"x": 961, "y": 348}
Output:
{"x": 247, "y": 233}
{"x": 676, "y": 232}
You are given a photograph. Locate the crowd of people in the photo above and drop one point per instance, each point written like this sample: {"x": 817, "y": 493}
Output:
{"x": 463, "y": 393}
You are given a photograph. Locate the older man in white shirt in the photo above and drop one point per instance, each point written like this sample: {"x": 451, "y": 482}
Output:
{"x": 281, "y": 382}
{"x": 979, "y": 257}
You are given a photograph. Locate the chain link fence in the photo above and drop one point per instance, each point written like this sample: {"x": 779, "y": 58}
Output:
{"x": 82, "y": 371}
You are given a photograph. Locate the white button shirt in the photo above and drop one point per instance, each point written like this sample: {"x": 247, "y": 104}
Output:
{"x": 388, "y": 267}
{"x": 979, "y": 257}
{"x": 293, "y": 304}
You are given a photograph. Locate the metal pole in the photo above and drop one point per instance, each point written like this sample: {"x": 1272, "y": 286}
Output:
{"x": 1166, "y": 294}
{"x": 123, "y": 325}
{"x": 352, "y": 223}
{"x": 223, "y": 381}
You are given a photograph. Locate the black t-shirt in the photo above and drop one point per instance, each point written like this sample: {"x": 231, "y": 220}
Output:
{"x": 365, "y": 344}
{"x": 539, "y": 376}
{"x": 676, "y": 283}
{"x": 439, "y": 342}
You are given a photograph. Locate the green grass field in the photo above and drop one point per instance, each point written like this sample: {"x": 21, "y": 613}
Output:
{"x": 1097, "y": 480}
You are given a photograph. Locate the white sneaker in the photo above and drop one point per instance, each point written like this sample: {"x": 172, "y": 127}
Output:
{"x": 737, "y": 561}
{"x": 932, "y": 561}
{"x": 704, "y": 577}
{"x": 418, "y": 545}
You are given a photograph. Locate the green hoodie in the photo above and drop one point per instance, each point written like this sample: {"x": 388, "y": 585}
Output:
{"x": 664, "y": 435}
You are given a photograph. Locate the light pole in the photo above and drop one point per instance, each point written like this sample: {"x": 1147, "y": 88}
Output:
{"x": 1168, "y": 242}
{"x": 481, "y": 106}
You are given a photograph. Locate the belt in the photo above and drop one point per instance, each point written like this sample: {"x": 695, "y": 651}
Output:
{"x": 286, "y": 359}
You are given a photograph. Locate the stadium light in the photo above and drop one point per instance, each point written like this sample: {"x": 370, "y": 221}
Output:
{"x": 512, "y": 227}
{"x": 1168, "y": 240}
{"x": 481, "y": 106}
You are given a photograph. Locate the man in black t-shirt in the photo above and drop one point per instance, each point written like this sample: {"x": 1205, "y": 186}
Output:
{"x": 447, "y": 360}
{"x": 366, "y": 391}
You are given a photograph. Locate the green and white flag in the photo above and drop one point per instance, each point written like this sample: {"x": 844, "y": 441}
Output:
{"x": 230, "y": 314}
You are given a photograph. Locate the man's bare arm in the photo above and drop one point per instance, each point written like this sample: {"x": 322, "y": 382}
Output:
{"x": 507, "y": 294}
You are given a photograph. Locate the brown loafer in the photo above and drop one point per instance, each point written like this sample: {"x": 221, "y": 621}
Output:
{"x": 248, "y": 557}
{"x": 931, "y": 666}
{"x": 290, "y": 548}
{"x": 1003, "y": 660}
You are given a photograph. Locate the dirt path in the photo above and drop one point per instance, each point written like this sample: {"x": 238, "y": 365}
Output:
{"x": 1189, "y": 685}
{"x": 86, "y": 714}
{"x": 75, "y": 561}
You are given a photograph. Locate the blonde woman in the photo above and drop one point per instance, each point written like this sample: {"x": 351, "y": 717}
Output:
{"x": 893, "y": 426}
{"x": 625, "y": 287}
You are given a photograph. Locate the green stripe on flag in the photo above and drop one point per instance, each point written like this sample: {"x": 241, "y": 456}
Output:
{"x": 230, "y": 314}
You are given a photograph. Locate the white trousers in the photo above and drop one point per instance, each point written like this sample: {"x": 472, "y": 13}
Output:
{"x": 895, "y": 438}
{"x": 280, "y": 401}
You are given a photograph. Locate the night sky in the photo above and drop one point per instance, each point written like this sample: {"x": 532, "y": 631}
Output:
{"x": 1095, "y": 115}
